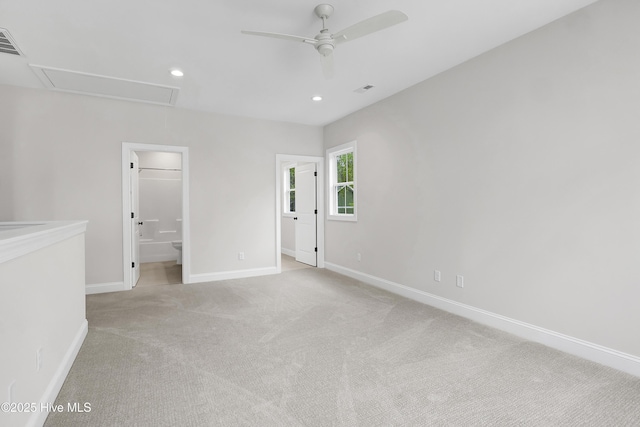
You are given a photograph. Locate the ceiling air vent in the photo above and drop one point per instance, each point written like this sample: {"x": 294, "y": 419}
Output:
{"x": 363, "y": 89}
{"x": 7, "y": 44}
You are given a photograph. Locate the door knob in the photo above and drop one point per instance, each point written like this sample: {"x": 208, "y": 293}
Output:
{"x": 295, "y": 218}
{"x": 139, "y": 223}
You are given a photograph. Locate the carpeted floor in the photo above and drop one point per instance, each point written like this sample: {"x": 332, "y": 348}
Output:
{"x": 312, "y": 348}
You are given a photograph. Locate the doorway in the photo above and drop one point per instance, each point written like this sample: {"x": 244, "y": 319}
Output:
{"x": 299, "y": 217}
{"x": 162, "y": 174}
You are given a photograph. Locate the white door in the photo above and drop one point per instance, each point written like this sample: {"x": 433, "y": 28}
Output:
{"x": 135, "y": 219}
{"x": 306, "y": 214}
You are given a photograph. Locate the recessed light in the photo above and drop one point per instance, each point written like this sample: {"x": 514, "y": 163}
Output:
{"x": 316, "y": 98}
{"x": 176, "y": 73}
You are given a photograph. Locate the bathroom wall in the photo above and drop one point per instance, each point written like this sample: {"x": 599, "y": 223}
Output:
{"x": 160, "y": 195}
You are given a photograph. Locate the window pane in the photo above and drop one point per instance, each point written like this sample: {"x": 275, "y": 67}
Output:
{"x": 292, "y": 178}
{"x": 292, "y": 201}
{"x": 341, "y": 164}
{"x": 340, "y": 196}
{"x": 344, "y": 199}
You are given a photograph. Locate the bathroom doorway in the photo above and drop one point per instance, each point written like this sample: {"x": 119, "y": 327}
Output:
{"x": 159, "y": 218}
{"x": 155, "y": 215}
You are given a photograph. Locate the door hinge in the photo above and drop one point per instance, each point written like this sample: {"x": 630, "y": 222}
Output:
{"x": 315, "y": 174}
{"x": 133, "y": 265}
{"x": 131, "y": 165}
{"x": 315, "y": 211}
{"x": 132, "y": 215}
{"x": 316, "y": 249}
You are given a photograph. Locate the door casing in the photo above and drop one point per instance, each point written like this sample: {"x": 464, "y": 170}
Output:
{"x": 282, "y": 159}
{"x": 127, "y": 148}
{"x": 134, "y": 192}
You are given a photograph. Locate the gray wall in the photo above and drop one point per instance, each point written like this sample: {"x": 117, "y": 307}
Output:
{"x": 519, "y": 170}
{"x": 61, "y": 161}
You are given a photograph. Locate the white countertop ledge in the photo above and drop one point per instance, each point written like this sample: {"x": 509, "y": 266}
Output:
{"x": 21, "y": 238}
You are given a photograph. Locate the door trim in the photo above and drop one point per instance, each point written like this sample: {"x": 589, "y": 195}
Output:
{"x": 281, "y": 159}
{"x": 128, "y": 147}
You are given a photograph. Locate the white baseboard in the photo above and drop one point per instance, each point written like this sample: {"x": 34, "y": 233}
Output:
{"x": 289, "y": 252}
{"x": 49, "y": 396}
{"x": 584, "y": 349}
{"x": 227, "y": 275}
{"x": 101, "y": 288}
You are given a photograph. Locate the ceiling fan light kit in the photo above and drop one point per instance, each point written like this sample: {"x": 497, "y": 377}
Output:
{"x": 325, "y": 42}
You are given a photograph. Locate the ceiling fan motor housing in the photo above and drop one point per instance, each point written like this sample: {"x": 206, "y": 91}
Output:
{"x": 325, "y": 43}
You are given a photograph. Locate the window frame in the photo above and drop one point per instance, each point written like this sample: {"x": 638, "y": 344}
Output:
{"x": 286, "y": 173}
{"x": 332, "y": 172}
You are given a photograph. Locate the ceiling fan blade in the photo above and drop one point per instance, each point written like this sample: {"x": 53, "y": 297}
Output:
{"x": 281, "y": 36}
{"x": 371, "y": 25}
{"x": 327, "y": 65}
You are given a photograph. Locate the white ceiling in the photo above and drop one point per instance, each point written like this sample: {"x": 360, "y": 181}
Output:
{"x": 232, "y": 73}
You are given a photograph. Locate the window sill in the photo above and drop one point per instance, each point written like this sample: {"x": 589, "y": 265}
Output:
{"x": 348, "y": 218}
{"x": 288, "y": 214}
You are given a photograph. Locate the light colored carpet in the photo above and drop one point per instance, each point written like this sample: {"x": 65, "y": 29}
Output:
{"x": 313, "y": 348}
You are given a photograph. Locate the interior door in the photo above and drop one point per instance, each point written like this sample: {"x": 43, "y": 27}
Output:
{"x": 306, "y": 214}
{"x": 135, "y": 219}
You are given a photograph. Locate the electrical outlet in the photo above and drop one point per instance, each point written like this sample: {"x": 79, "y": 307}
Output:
{"x": 241, "y": 256}
{"x": 359, "y": 257}
{"x": 459, "y": 281}
{"x": 437, "y": 276}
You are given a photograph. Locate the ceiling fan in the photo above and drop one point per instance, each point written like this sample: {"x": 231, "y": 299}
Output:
{"x": 325, "y": 42}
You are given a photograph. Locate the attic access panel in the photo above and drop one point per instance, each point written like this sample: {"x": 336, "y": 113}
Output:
{"x": 104, "y": 86}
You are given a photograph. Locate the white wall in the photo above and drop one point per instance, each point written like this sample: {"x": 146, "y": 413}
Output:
{"x": 288, "y": 235}
{"x": 65, "y": 153}
{"x": 42, "y": 309}
{"x": 519, "y": 170}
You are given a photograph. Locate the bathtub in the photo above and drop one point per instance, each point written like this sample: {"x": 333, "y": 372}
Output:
{"x": 155, "y": 243}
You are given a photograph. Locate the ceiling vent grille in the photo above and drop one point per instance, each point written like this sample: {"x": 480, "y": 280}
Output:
{"x": 7, "y": 44}
{"x": 364, "y": 89}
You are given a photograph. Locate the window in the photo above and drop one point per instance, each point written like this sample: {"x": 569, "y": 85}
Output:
{"x": 289, "y": 180}
{"x": 342, "y": 182}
